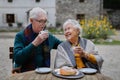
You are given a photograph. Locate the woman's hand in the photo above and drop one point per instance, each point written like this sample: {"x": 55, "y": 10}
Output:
{"x": 79, "y": 50}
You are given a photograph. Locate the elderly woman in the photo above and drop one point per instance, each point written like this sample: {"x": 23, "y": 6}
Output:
{"x": 77, "y": 51}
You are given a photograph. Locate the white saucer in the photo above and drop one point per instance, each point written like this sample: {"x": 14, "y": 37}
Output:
{"x": 88, "y": 70}
{"x": 43, "y": 70}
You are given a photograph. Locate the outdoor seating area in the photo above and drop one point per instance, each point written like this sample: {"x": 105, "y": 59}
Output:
{"x": 108, "y": 68}
{"x": 50, "y": 75}
{"x": 60, "y": 40}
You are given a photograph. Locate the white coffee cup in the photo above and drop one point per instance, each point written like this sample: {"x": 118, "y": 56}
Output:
{"x": 44, "y": 31}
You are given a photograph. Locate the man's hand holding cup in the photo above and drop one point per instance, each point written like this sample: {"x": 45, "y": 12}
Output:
{"x": 42, "y": 36}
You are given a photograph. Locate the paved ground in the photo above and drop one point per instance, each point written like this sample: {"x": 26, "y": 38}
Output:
{"x": 109, "y": 53}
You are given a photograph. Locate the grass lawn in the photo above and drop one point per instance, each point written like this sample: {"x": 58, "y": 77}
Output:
{"x": 114, "y": 42}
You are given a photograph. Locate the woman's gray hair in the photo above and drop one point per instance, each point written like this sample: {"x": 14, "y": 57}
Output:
{"x": 75, "y": 24}
{"x": 36, "y": 11}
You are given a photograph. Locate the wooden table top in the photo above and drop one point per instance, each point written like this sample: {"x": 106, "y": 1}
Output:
{"x": 32, "y": 75}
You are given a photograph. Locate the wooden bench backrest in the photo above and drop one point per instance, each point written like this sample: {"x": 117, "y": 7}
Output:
{"x": 11, "y": 52}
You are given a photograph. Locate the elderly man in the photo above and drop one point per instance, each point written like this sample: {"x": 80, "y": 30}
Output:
{"x": 32, "y": 45}
{"x": 76, "y": 51}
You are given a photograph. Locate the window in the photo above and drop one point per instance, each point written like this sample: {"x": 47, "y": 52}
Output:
{"x": 10, "y": 0}
{"x": 81, "y": 0}
{"x": 80, "y": 17}
{"x": 111, "y": 4}
{"x": 10, "y": 18}
{"x": 37, "y": 0}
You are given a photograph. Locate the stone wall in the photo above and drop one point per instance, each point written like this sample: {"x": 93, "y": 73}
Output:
{"x": 114, "y": 16}
{"x": 66, "y": 9}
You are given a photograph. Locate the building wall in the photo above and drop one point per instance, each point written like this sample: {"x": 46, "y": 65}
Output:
{"x": 58, "y": 10}
{"x": 66, "y": 9}
{"x": 20, "y": 7}
{"x": 114, "y": 17}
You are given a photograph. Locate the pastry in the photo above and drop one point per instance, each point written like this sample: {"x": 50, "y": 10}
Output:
{"x": 67, "y": 71}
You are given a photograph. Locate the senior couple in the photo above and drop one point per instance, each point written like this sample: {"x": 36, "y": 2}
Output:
{"x": 32, "y": 46}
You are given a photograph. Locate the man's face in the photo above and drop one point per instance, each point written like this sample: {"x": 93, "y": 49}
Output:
{"x": 39, "y": 23}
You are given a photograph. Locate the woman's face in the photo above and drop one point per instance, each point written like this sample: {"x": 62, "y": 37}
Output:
{"x": 39, "y": 23}
{"x": 70, "y": 32}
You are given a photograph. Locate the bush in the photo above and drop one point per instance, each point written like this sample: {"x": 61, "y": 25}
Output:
{"x": 97, "y": 28}
{"x": 55, "y": 30}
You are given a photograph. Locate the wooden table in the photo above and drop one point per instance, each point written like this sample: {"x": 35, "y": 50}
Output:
{"x": 32, "y": 75}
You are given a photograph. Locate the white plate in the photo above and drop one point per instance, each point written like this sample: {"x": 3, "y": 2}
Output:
{"x": 78, "y": 75}
{"x": 43, "y": 70}
{"x": 88, "y": 70}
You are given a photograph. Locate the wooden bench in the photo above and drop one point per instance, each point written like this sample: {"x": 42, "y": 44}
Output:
{"x": 11, "y": 52}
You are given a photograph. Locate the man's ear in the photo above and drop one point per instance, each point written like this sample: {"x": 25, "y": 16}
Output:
{"x": 31, "y": 20}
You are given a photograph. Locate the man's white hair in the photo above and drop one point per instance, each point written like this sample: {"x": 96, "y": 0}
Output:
{"x": 36, "y": 11}
{"x": 75, "y": 24}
